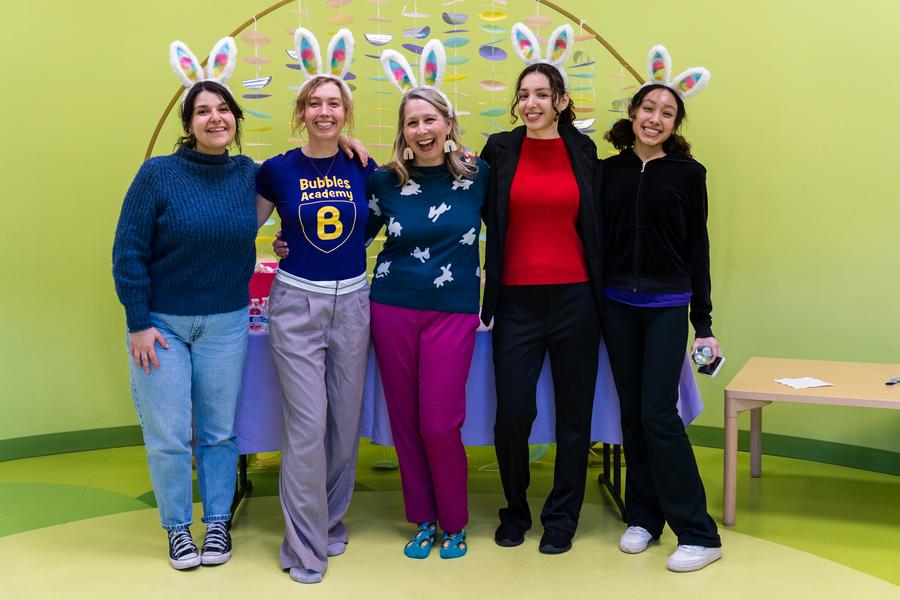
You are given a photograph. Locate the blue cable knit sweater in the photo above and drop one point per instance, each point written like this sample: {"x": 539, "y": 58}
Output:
{"x": 185, "y": 243}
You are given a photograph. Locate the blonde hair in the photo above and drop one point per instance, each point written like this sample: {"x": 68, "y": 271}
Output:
{"x": 297, "y": 123}
{"x": 456, "y": 166}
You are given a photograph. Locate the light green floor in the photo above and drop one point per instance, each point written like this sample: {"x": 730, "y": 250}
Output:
{"x": 844, "y": 515}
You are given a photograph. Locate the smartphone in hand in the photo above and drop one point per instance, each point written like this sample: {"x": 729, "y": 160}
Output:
{"x": 712, "y": 368}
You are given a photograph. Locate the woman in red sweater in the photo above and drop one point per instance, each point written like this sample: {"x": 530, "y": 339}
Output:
{"x": 543, "y": 270}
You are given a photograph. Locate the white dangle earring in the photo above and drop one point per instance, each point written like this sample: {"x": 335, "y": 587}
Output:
{"x": 408, "y": 153}
{"x": 450, "y": 146}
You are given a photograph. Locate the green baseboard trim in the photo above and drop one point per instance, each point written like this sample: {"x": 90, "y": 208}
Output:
{"x": 832, "y": 453}
{"x": 70, "y": 441}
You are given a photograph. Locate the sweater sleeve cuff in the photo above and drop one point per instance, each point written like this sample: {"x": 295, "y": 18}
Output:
{"x": 703, "y": 330}
{"x": 138, "y": 318}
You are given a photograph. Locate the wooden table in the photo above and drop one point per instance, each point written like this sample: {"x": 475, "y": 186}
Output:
{"x": 855, "y": 384}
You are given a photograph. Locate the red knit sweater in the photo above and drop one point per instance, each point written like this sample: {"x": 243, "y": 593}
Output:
{"x": 542, "y": 244}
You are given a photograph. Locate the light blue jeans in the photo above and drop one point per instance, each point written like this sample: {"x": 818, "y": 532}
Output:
{"x": 192, "y": 396}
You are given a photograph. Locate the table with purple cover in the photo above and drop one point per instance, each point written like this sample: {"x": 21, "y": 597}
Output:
{"x": 259, "y": 413}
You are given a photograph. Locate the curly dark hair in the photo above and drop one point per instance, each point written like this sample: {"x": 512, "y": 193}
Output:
{"x": 557, "y": 90}
{"x": 621, "y": 134}
{"x": 187, "y": 112}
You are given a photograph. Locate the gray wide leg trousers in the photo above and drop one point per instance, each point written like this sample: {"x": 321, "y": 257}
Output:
{"x": 320, "y": 343}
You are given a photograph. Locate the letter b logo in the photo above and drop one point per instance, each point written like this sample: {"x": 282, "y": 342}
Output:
{"x": 329, "y": 225}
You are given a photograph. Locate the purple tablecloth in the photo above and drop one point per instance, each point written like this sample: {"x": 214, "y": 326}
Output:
{"x": 259, "y": 414}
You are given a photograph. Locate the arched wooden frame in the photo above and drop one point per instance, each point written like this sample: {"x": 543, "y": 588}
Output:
{"x": 277, "y": 5}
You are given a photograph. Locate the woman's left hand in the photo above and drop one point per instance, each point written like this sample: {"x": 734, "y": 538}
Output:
{"x": 710, "y": 342}
{"x": 353, "y": 147}
{"x": 279, "y": 246}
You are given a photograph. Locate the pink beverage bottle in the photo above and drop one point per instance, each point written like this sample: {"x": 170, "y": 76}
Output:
{"x": 256, "y": 316}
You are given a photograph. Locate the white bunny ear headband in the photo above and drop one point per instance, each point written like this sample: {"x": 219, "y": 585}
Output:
{"x": 432, "y": 68}
{"x": 685, "y": 84}
{"x": 559, "y": 47}
{"x": 337, "y": 59}
{"x": 221, "y": 63}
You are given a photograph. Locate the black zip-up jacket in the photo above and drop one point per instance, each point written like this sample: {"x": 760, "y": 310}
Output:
{"x": 655, "y": 229}
{"x": 502, "y": 152}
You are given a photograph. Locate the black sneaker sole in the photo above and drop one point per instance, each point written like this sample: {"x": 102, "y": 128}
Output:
{"x": 507, "y": 543}
{"x": 548, "y": 549}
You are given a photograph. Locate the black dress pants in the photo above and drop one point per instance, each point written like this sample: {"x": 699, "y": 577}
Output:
{"x": 662, "y": 483}
{"x": 530, "y": 321}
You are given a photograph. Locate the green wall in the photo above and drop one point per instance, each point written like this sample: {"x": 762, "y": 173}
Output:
{"x": 796, "y": 130}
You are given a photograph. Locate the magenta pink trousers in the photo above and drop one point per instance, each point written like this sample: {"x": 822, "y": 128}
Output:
{"x": 424, "y": 358}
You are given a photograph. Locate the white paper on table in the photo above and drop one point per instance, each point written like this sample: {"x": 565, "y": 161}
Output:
{"x": 801, "y": 383}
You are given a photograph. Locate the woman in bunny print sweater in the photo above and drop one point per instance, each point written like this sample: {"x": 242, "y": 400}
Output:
{"x": 425, "y": 300}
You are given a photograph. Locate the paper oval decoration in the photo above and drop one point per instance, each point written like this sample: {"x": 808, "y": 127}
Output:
{"x": 492, "y": 85}
{"x": 454, "y": 18}
{"x": 258, "y": 83}
{"x": 417, "y": 32}
{"x": 455, "y": 42}
{"x": 340, "y": 19}
{"x": 255, "y": 38}
{"x": 378, "y": 39}
{"x": 492, "y": 53}
{"x": 492, "y": 15}
{"x": 536, "y": 21}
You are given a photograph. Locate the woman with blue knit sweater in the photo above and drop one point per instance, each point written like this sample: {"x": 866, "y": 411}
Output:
{"x": 182, "y": 260}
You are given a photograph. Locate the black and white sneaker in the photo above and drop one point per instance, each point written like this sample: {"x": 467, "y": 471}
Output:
{"x": 182, "y": 549}
{"x": 217, "y": 545}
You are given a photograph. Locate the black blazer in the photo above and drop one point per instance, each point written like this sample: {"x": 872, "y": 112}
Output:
{"x": 501, "y": 152}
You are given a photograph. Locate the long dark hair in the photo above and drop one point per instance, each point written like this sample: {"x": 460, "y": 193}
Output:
{"x": 621, "y": 134}
{"x": 187, "y": 112}
{"x": 557, "y": 91}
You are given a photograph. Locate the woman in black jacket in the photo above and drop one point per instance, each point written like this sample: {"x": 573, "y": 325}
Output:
{"x": 543, "y": 269}
{"x": 657, "y": 266}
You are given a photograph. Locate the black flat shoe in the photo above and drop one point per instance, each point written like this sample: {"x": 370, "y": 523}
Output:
{"x": 509, "y": 534}
{"x": 555, "y": 541}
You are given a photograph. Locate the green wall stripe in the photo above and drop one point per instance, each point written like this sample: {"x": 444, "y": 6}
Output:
{"x": 832, "y": 453}
{"x": 70, "y": 441}
{"x": 845, "y": 455}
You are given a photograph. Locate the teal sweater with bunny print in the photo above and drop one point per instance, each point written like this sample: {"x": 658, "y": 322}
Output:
{"x": 430, "y": 260}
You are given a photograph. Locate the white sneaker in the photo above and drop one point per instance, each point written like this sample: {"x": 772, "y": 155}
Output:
{"x": 634, "y": 540}
{"x": 692, "y": 558}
